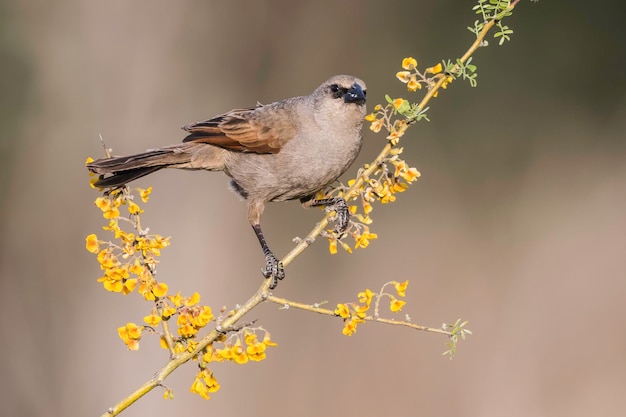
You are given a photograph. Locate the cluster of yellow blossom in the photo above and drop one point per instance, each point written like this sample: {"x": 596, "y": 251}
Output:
{"x": 381, "y": 117}
{"x": 129, "y": 261}
{"x": 130, "y": 334}
{"x": 132, "y": 260}
{"x": 355, "y": 313}
{"x": 391, "y": 177}
{"x": 414, "y": 79}
{"x": 204, "y": 383}
{"x": 239, "y": 348}
{"x": 192, "y": 317}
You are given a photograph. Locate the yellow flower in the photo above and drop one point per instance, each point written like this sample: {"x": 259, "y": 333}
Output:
{"x": 193, "y": 300}
{"x": 349, "y": 327}
{"x": 396, "y": 305}
{"x": 256, "y": 351}
{"x": 361, "y": 311}
{"x": 400, "y": 166}
{"x": 168, "y": 312}
{"x": 267, "y": 340}
{"x": 398, "y": 187}
{"x": 160, "y": 289}
{"x": 370, "y": 117}
{"x": 377, "y": 125}
{"x": 91, "y": 243}
{"x": 403, "y": 76}
{"x": 225, "y": 354}
{"x": 133, "y": 208}
{"x": 128, "y": 285}
{"x": 168, "y": 394}
{"x": 398, "y": 102}
{"x": 409, "y": 63}
{"x": 366, "y": 296}
{"x": 363, "y": 241}
{"x": 342, "y": 311}
{"x": 198, "y": 387}
{"x": 185, "y": 324}
{"x": 332, "y": 245}
{"x": 208, "y": 354}
{"x": 448, "y": 80}
{"x": 210, "y": 381}
{"x": 144, "y": 194}
{"x": 202, "y": 316}
{"x": 435, "y": 70}
{"x": 395, "y": 135}
{"x": 153, "y": 319}
{"x": 401, "y": 287}
{"x": 109, "y": 209}
{"x": 413, "y": 85}
{"x": 130, "y": 334}
{"x": 238, "y": 354}
{"x": 176, "y": 299}
{"x": 103, "y": 203}
{"x": 112, "y": 213}
{"x": 411, "y": 174}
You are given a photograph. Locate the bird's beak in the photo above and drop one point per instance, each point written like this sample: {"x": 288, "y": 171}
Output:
{"x": 355, "y": 95}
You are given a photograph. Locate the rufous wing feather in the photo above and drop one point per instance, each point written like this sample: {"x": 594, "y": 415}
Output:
{"x": 254, "y": 130}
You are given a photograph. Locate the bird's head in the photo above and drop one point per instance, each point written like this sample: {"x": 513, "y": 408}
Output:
{"x": 343, "y": 95}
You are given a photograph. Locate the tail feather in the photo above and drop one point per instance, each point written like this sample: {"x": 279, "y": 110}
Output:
{"x": 124, "y": 177}
{"x": 121, "y": 170}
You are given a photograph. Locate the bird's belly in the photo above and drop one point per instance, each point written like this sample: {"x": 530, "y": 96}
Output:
{"x": 284, "y": 176}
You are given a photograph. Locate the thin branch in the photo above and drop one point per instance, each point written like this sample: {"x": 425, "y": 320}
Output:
{"x": 327, "y": 312}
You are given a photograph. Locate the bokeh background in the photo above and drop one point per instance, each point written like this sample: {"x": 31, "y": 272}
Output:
{"x": 517, "y": 224}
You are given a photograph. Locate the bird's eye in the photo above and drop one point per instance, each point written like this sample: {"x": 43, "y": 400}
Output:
{"x": 338, "y": 92}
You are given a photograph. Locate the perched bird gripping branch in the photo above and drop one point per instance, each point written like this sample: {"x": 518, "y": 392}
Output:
{"x": 287, "y": 150}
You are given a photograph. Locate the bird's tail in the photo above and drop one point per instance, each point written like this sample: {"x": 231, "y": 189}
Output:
{"x": 120, "y": 170}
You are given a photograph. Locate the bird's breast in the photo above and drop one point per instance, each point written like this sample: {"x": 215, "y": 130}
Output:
{"x": 305, "y": 165}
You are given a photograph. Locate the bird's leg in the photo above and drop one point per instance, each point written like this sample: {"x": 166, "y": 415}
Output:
{"x": 273, "y": 266}
{"x": 339, "y": 206}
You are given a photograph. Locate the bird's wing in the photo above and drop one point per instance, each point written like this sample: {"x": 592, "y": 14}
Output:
{"x": 262, "y": 129}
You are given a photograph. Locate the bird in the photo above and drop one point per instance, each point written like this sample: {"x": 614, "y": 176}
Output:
{"x": 287, "y": 150}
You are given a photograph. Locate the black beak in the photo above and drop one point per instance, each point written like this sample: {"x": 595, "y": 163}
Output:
{"x": 355, "y": 95}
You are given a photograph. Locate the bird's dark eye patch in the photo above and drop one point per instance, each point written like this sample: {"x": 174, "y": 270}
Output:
{"x": 338, "y": 92}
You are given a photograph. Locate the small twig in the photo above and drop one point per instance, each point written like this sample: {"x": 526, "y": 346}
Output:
{"x": 107, "y": 152}
{"x": 327, "y": 312}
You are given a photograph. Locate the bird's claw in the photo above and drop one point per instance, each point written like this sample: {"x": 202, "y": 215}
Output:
{"x": 343, "y": 216}
{"x": 274, "y": 269}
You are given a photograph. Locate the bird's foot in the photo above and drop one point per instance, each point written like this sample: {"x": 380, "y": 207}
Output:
{"x": 274, "y": 269}
{"x": 343, "y": 216}
{"x": 340, "y": 207}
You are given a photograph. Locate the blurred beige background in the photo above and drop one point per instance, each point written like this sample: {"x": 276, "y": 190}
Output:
{"x": 517, "y": 224}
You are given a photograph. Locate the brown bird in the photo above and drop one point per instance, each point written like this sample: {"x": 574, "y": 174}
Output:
{"x": 287, "y": 150}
